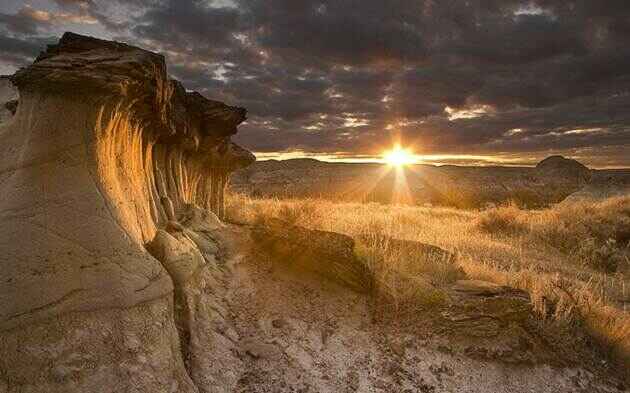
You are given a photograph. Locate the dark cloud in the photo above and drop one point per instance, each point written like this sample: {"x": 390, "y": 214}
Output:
{"x": 516, "y": 39}
{"x": 188, "y": 25}
{"x": 349, "y": 32}
{"x": 27, "y": 21}
{"x": 451, "y": 76}
{"x": 18, "y": 52}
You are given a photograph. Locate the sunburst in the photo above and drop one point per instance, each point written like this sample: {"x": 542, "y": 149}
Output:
{"x": 398, "y": 157}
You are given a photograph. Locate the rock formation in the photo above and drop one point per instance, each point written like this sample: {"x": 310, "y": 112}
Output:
{"x": 562, "y": 165}
{"x": 104, "y": 158}
{"x": 328, "y": 254}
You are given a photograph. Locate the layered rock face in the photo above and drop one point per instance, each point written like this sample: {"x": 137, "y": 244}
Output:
{"x": 104, "y": 155}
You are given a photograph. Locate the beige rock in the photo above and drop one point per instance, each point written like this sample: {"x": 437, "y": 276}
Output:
{"x": 201, "y": 220}
{"x": 90, "y": 352}
{"x": 104, "y": 152}
{"x": 179, "y": 256}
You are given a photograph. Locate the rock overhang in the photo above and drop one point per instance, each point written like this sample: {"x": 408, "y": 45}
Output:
{"x": 103, "y": 150}
{"x": 103, "y": 70}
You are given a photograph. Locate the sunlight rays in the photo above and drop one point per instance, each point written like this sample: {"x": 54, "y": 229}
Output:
{"x": 398, "y": 157}
{"x": 366, "y": 186}
{"x": 401, "y": 194}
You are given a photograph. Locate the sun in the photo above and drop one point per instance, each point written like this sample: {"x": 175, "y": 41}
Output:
{"x": 398, "y": 157}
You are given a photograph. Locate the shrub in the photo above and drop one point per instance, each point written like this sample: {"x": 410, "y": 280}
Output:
{"x": 595, "y": 234}
{"x": 394, "y": 283}
{"x": 503, "y": 220}
{"x": 606, "y": 257}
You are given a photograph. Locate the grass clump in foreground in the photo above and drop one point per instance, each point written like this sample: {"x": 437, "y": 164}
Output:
{"x": 571, "y": 258}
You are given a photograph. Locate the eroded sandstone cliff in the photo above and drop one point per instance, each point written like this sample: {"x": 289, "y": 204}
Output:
{"x": 104, "y": 155}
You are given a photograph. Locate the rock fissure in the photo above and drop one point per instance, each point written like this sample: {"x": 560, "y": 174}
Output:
{"x": 49, "y": 305}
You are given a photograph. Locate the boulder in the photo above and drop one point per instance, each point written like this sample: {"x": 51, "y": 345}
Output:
{"x": 328, "y": 254}
{"x": 178, "y": 254}
{"x": 197, "y": 219}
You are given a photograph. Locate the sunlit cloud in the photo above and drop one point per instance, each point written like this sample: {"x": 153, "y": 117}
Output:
{"x": 315, "y": 127}
{"x": 352, "y": 121}
{"x": 332, "y": 93}
{"x": 532, "y": 9}
{"x": 513, "y": 131}
{"x": 469, "y": 113}
{"x": 585, "y": 131}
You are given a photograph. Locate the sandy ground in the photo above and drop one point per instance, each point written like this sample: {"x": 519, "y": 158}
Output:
{"x": 299, "y": 333}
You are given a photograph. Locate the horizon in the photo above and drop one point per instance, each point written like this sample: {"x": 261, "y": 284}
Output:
{"x": 462, "y": 161}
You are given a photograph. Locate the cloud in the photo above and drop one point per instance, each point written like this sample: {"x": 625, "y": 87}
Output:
{"x": 351, "y": 33}
{"x": 450, "y": 77}
{"x": 188, "y": 25}
{"x": 30, "y": 21}
{"x": 18, "y": 52}
{"x": 26, "y": 21}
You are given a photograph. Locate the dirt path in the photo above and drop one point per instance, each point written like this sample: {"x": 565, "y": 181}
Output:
{"x": 300, "y": 333}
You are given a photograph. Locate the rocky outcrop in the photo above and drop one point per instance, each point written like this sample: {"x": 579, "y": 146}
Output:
{"x": 564, "y": 166}
{"x": 104, "y": 158}
{"x": 328, "y": 254}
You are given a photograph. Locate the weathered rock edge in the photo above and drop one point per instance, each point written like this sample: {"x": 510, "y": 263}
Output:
{"x": 102, "y": 155}
{"x": 102, "y": 151}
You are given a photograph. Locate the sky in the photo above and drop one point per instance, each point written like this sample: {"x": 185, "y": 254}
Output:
{"x": 472, "y": 82}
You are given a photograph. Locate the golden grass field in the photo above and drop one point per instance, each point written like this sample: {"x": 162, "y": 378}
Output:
{"x": 572, "y": 258}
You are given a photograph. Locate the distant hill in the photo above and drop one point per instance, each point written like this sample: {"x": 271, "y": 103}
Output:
{"x": 552, "y": 180}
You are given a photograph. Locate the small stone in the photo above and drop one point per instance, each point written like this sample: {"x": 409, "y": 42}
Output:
{"x": 259, "y": 350}
{"x": 278, "y": 323}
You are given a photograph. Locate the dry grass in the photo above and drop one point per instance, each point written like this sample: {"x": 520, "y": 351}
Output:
{"x": 573, "y": 256}
{"x": 595, "y": 234}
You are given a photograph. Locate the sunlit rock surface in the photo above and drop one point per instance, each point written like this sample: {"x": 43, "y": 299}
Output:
{"x": 328, "y": 254}
{"x": 103, "y": 153}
